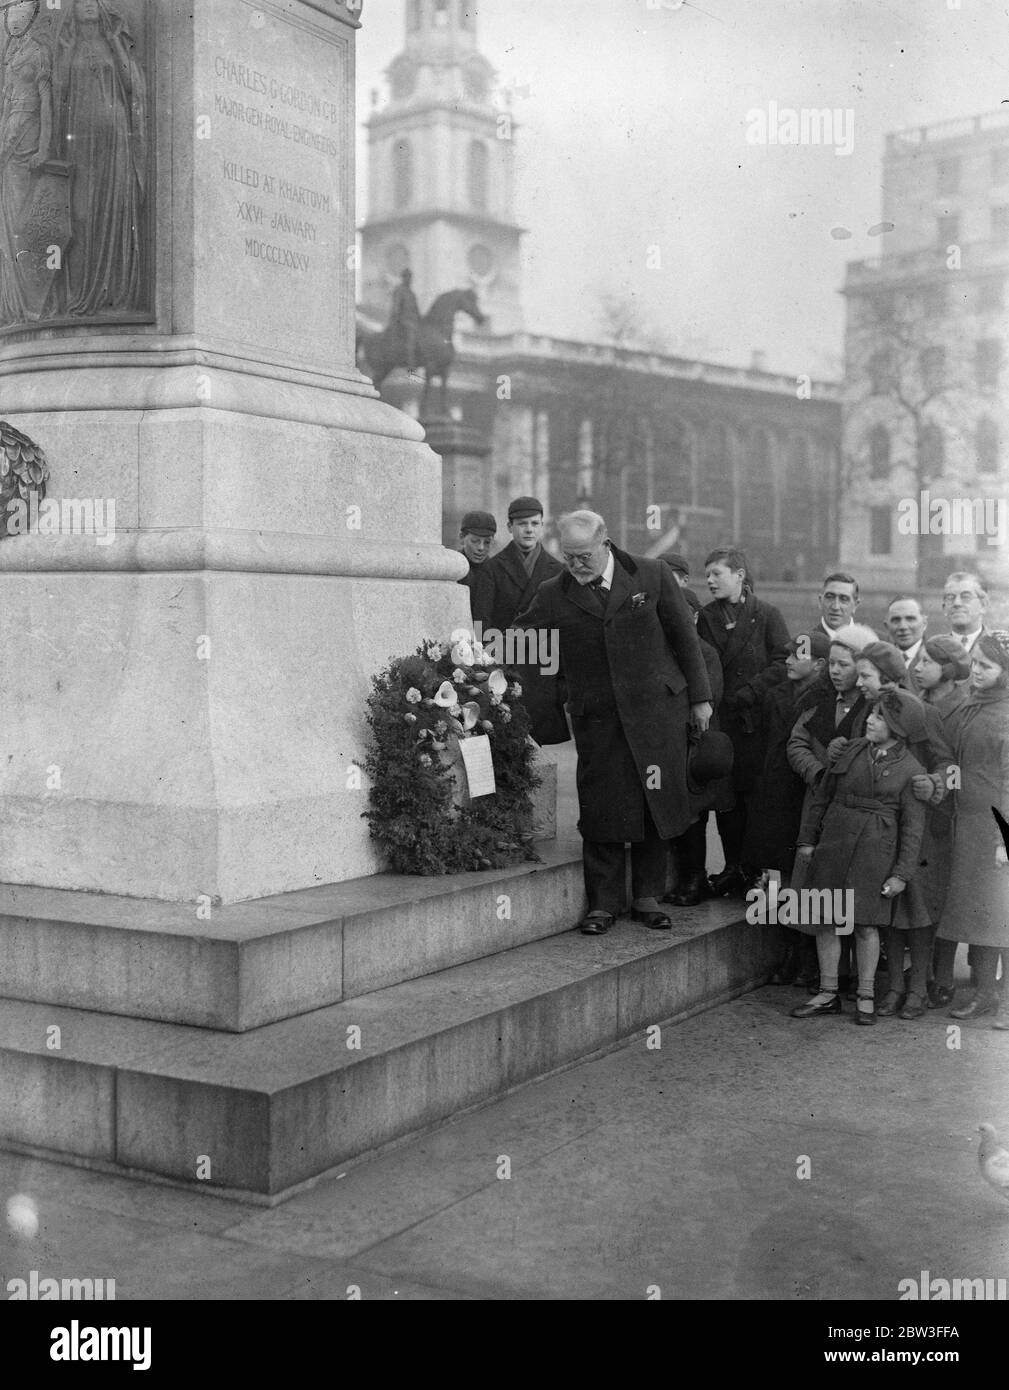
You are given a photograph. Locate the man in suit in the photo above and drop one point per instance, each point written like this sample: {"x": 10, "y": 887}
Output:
{"x": 965, "y": 602}
{"x": 506, "y": 585}
{"x": 906, "y": 624}
{"x": 636, "y": 680}
{"x": 476, "y": 533}
{"x": 838, "y": 601}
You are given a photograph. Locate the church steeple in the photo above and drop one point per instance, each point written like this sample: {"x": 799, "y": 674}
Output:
{"x": 441, "y": 182}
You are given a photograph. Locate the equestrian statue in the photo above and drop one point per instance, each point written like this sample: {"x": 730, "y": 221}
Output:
{"x": 412, "y": 341}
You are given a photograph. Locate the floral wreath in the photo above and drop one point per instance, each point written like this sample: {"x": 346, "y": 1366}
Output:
{"x": 421, "y": 708}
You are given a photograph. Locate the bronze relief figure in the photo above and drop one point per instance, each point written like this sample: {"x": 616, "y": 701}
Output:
{"x": 101, "y": 105}
{"x": 74, "y": 153}
{"x": 26, "y": 125}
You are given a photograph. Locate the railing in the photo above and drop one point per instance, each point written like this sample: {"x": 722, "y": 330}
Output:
{"x": 571, "y": 352}
{"x": 975, "y": 255}
{"x": 954, "y": 129}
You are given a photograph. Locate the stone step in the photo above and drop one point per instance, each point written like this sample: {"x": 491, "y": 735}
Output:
{"x": 275, "y": 1107}
{"x": 251, "y": 964}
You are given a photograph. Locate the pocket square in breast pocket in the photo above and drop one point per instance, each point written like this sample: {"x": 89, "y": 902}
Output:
{"x": 638, "y": 601}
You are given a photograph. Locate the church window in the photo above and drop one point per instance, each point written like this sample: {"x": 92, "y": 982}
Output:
{"x": 987, "y": 446}
{"x": 481, "y": 260}
{"x": 402, "y": 173}
{"x": 879, "y": 452}
{"x": 478, "y": 161}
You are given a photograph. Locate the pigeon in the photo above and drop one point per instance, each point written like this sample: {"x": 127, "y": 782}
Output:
{"x": 993, "y": 1160}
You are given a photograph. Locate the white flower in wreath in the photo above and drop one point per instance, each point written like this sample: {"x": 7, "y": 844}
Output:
{"x": 434, "y": 651}
{"x": 497, "y": 684}
{"x": 413, "y": 696}
{"x": 470, "y": 715}
{"x": 487, "y": 658}
{"x": 425, "y": 760}
{"x": 445, "y": 695}
{"x": 459, "y": 676}
{"x": 505, "y": 716}
{"x": 461, "y": 634}
{"x": 516, "y": 691}
{"x": 495, "y": 699}
{"x": 462, "y": 654}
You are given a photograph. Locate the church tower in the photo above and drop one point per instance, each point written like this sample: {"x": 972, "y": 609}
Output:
{"x": 441, "y": 173}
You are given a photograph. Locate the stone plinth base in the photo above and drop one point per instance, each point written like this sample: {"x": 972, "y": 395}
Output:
{"x": 465, "y": 483}
{"x": 278, "y": 1106}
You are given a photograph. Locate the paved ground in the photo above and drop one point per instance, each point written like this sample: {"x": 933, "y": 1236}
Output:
{"x": 674, "y": 1167}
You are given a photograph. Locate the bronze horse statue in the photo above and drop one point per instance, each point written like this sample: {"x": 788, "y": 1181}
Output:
{"x": 383, "y": 351}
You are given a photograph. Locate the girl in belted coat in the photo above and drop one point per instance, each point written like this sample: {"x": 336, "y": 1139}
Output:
{"x": 752, "y": 643}
{"x": 863, "y": 833}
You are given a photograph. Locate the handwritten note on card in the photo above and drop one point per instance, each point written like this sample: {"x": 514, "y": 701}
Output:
{"x": 479, "y": 764}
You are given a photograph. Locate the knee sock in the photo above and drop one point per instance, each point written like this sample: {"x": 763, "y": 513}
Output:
{"x": 828, "y": 950}
{"x": 867, "y": 958}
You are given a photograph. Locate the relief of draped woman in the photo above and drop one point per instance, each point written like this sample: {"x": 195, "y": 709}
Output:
{"x": 101, "y": 103}
{"x": 26, "y": 111}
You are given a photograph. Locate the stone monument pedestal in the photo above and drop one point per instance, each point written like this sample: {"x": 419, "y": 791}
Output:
{"x": 184, "y": 699}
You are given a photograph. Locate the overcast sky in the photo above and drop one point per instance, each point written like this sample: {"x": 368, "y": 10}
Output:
{"x": 633, "y": 135}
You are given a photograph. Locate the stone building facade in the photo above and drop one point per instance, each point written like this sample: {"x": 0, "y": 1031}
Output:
{"x": 925, "y": 397}
{"x": 677, "y": 454}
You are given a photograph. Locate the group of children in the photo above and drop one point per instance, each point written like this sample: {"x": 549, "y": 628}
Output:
{"x": 865, "y": 784}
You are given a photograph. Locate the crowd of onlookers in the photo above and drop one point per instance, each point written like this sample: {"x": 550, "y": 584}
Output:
{"x": 871, "y": 763}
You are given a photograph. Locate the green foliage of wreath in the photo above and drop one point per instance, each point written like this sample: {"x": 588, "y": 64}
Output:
{"x": 419, "y": 708}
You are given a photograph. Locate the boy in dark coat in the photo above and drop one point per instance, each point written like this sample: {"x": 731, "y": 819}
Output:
{"x": 751, "y": 640}
{"x": 506, "y": 586}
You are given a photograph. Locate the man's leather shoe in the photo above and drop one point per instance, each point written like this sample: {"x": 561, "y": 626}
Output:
{"x": 939, "y": 995}
{"x": 977, "y": 1007}
{"x": 811, "y": 1010}
{"x": 596, "y": 923}
{"x": 914, "y": 1006}
{"x": 891, "y": 1004}
{"x": 691, "y": 891}
{"x": 729, "y": 882}
{"x": 865, "y": 1017}
{"x": 658, "y": 921}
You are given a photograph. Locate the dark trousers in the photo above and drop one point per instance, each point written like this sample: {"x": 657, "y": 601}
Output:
{"x": 920, "y": 942}
{"x": 605, "y": 867}
{"x": 732, "y": 831}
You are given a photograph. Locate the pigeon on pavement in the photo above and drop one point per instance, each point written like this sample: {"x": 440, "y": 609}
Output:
{"x": 993, "y": 1160}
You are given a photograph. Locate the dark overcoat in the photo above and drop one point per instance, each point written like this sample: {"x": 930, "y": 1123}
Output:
{"x": 474, "y": 582}
{"x": 500, "y": 593}
{"x": 632, "y": 671}
{"x": 977, "y": 904}
{"x": 716, "y": 795}
{"x": 775, "y": 806}
{"x": 753, "y": 654}
{"x": 867, "y": 825}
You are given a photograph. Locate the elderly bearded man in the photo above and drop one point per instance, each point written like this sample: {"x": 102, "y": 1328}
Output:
{"x": 635, "y": 680}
